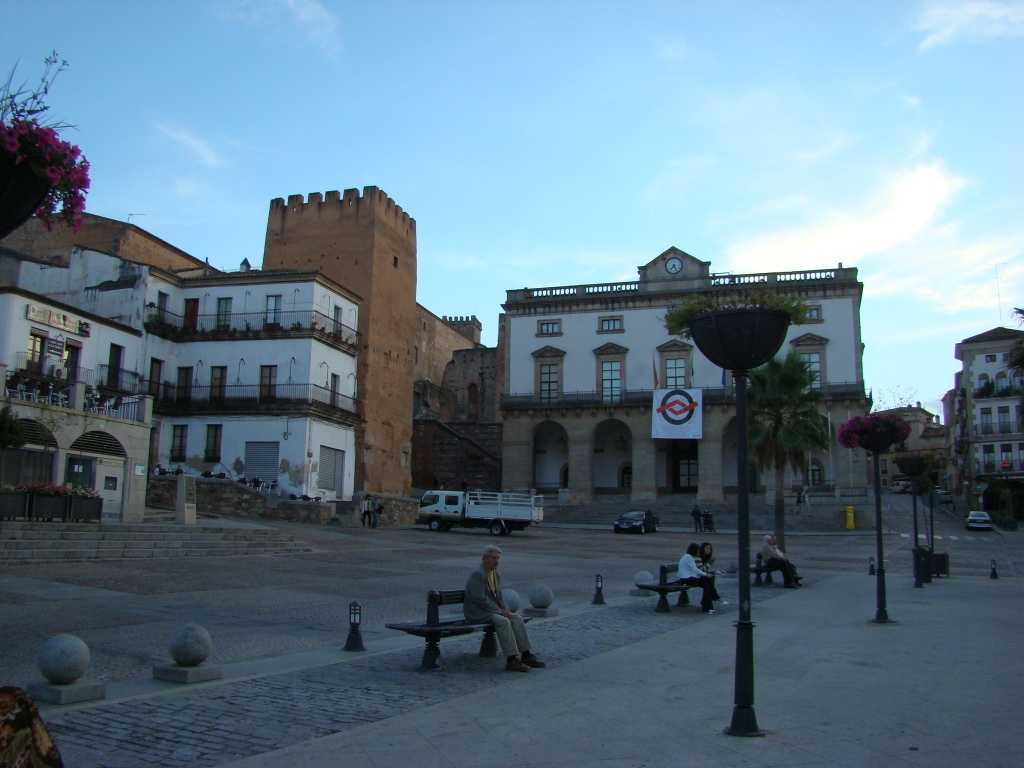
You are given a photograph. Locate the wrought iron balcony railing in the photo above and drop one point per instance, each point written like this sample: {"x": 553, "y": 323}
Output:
{"x": 232, "y": 396}
{"x": 247, "y": 325}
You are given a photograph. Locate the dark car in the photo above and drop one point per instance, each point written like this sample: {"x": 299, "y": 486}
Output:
{"x": 637, "y": 521}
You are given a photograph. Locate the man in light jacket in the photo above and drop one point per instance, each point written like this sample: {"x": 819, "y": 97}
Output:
{"x": 485, "y": 603}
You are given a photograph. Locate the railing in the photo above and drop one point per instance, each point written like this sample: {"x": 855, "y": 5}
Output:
{"x": 120, "y": 380}
{"x": 50, "y": 367}
{"x": 835, "y": 390}
{"x": 39, "y": 391}
{"x": 233, "y": 395}
{"x": 255, "y": 324}
{"x": 996, "y": 467}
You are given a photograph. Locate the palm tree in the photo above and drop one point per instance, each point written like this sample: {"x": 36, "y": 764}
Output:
{"x": 1015, "y": 363}
{"x": 784, "y": 423}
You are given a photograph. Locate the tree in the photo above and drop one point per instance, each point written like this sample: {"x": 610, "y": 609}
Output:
{"x": 12, "y": 433}
{"x": 784, "y": 423}
{"x": 1015, "y": 363}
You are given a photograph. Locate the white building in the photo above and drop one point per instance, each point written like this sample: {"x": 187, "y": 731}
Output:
{"x": 580, "y": 369}
{"x": 250, "y": 374}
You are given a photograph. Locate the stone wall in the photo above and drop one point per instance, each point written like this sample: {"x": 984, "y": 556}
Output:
{"x": 227, "y": 497}
{"x": 456, "y": 455}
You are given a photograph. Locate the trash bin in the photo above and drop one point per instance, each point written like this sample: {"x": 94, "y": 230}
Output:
{"x": 923, "y": 561}
{"x": 940, "y": 564}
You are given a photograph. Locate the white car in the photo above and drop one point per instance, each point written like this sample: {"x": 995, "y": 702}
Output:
{"x": 979, "y": 520}
{"x": 945, "y": 497}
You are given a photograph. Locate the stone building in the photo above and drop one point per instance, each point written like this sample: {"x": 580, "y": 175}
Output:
{"x": 926, "y": 434}
{"x": 580, "y": 366}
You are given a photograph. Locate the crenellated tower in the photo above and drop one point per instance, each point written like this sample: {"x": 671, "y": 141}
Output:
{"x": 368, "y": 244}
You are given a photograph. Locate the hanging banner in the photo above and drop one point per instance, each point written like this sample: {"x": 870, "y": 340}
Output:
{"x": 678, "y": 414}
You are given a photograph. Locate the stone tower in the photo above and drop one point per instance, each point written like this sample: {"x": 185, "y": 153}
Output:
{"x": 368, "y": 244}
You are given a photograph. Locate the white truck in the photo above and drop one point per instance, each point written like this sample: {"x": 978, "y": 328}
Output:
{"x": 499, "y": 513}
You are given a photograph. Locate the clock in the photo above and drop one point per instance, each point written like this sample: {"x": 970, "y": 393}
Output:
{"x": 673, "y": 265}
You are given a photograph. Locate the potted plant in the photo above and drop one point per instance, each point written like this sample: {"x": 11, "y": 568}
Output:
{"x": 40, "y": 174}
{"x": 46, "y": 500}
{"x": 13, "y": 502}
{"x": 737, "y": 331}
{"x": 86, "y": 504}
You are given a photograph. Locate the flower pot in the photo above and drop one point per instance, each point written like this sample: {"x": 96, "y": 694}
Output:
{"x": 86, "y": 509}
{"x": 912, "y": 466}
{"x": 739, "y": 339}
{"x": 13, "y": 505}
{"x": 21, "y": 192}
{"x": 881, "y": 437}
{"x": 49, "y": 507}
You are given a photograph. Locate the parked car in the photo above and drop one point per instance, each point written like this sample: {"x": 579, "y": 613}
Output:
{"x": 945, "y": 497}
{"x": 637, "y": 521}
{"x": 979, "y": 520}
{"x": 901, "y": 486}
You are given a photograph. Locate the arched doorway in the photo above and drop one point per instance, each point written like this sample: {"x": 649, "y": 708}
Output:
{"x": 550, "y": 456}
{"x": 97, "y": 460}
{"x": 613, "y": 457}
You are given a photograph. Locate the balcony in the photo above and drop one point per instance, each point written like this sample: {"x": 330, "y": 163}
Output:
{"x": 639, "y": 397}
{"x": 1000, "y": 428}
{"x": 251, "y": 399}
{"x": 249, "y": 325}
{"x": 42, "y": 391}
{"x": 999, "y": 467}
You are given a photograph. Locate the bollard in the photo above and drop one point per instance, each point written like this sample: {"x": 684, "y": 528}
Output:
{"x": 871, "y": 566}
{"x": 993, "y": 574}
{"x": 355, "y": 637}
{"x": 598, "y": 591}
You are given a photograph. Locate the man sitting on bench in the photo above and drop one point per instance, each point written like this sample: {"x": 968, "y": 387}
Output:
{"x": 690, "y": 574}
{"x": 485, "y": 603}
{"x": 773, "y": 557}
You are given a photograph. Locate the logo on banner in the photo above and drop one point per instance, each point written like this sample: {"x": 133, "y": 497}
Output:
{"x": 677, "y": 414}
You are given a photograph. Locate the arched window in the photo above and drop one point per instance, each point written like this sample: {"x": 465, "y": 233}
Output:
{"x": 815, "y": 474}
{"x": 626, "y": 476}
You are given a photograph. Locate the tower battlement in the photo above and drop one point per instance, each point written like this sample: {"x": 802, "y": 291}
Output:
{"x": 469, "y": 327}
{"x": 334, "y": 206}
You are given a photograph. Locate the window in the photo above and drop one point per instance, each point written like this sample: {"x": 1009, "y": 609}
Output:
{"x": 218, "y": 382}
{"x": 611, "y": 381}
{"x": 549, "y": 378}
{"x": 813, "y": 360}
{"x": 626, "y": 477}
{"x": 273, "y": 314}
{"x": 986, "y": 421}
{"x": 675, "y": 373}
{"x": 1003, "y": 413}
{"x": 549, "y": 327}
{"x": 814, "y": 314}
{"x": 268, "y": 382}
{"x": 213, "y": 434}
{"x": 183, "y": 393}
{"x": 156, "y": 372}
{"x": 990, "y": 358}
{"x": 36, "y": 344}
{"x": 223, "y": 314}
{"x": 332, "y": 469}
{"x": 114, "y": 367}
{"x": 814, "y": 474}
{"x": 191, "y": 321}
{"x": 161, "y": 305}
{"x": 610, "y": 324}
{"x": 179, "y": 442}
{"x": 988, "y": 458}
{"x": 884, "y": 465}
{"x": 1006, "y": 457}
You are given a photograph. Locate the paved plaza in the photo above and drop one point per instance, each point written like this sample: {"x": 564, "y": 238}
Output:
{"x": 624, "y": 686}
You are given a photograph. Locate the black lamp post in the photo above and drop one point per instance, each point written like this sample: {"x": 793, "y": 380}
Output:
{"x": 355, "y": 618}
{"x": 741, "y": 339}
{"x": 598, "y": 590}
{"x": 881, "y": 614}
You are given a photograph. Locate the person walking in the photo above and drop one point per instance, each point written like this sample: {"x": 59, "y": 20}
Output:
{"x": 695, "y": 514}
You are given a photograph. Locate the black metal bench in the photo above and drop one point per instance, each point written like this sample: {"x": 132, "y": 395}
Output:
{"x": 667, "y": 582}
{"x": 760, "y": 568}
{"x": 436, "y": 628}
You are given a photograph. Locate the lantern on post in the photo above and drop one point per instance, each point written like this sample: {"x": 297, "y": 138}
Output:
{"x": 355, "y": 618}
{"x": 598, "y": 590}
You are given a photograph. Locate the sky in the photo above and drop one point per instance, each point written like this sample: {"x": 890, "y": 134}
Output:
{"x": 568, "y": 142}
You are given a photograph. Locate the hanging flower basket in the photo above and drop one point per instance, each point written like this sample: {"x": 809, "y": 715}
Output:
{"x": 740, "y": 339}
{"x": 915, "y": 464}
{"x": 875, "y": 433}
{"x": 21, "y": 192}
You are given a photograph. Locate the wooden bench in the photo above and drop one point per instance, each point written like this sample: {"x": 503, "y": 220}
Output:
{"x": 760, "y": 568}
{"x": 667, "y": 582}
{"x": 436, "y": 628}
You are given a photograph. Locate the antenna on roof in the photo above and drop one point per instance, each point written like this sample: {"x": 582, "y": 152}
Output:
{"x": 999, "y": 297}
{"x": 133, "y": 214}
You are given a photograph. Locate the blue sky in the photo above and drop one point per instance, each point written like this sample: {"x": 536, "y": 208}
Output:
{"x": 566, "y": 142}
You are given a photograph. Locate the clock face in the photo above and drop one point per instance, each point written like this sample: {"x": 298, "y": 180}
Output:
{"x": 673, "y": 265}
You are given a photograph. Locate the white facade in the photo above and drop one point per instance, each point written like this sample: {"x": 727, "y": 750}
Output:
{"x": 581, "y": 363}
{"x": 242, "y": 372}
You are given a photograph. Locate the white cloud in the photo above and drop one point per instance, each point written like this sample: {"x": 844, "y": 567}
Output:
{"x": 832, "y": 146}
{"x": 194, "y": 144}
{"x": 309, "y": 18}
{"x": 905, "y": 208}
{"x": 947, "y": 21}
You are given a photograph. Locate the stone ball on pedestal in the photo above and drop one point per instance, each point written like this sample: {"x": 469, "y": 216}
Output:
{"x": 512, "y": 599}
{"x": 732, "y": 567}
{"x": 642, "y": 577}
{"x": 190, "y": 645}
{"x": 63, "y": 659}
{"x": 541, "y": 596}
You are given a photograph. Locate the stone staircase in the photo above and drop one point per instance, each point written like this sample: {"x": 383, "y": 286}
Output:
{"x": 28, "y": 542}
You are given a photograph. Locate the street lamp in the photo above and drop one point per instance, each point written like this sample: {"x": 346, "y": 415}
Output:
{"x": 739, "y": 340}
{"x": 355, "y": 637}
{"x": 598, "y": 591}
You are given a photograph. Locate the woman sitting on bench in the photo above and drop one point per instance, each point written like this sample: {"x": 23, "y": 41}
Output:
{"x": 774, "y": 558}
{"x": 706, "y": 562}
{"x": 692, "y": 575}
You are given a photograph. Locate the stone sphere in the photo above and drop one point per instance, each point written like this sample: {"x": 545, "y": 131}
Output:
{"x": 541, "y": 596}
{"x": 512, "y": 599}
{"x": 190, "y": 645}
{"x": 642, "y": 577}
{"x": 732, "y": 567}
{"x": 63, "y": 659}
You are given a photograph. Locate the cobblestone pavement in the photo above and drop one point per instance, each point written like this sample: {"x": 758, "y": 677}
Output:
{"x": 263, "y": 608}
